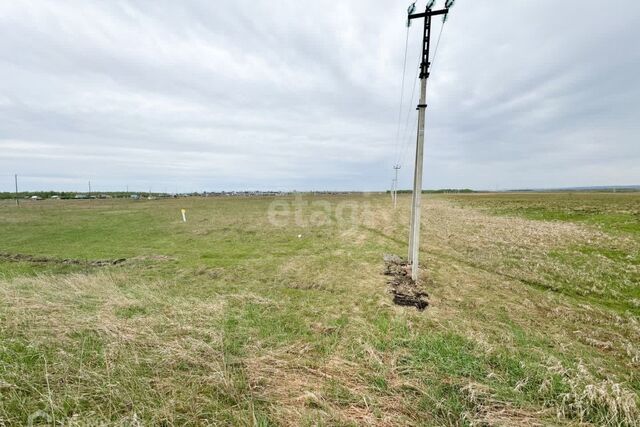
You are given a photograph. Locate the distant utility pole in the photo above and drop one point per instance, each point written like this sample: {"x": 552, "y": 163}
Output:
{"x": 414, "y": 233}
{"x": 395, "y": 187}
{"x": 17, "y": 199}
{"x": 89, "y": 189}
{"x": 392, "y": 187}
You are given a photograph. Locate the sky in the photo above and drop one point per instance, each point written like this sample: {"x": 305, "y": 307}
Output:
{"x": 201, "y": 95}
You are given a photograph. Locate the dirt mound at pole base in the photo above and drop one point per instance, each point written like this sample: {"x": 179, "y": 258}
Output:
{"x": 405, "y": 290}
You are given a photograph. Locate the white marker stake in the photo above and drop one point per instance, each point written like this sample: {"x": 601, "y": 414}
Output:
{"x": 184, "y": 215}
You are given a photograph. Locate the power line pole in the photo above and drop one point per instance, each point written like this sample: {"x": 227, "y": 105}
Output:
{"x": 89, "y": 189}
{"x": 392, "y": 187}
{"x": 17, "y": 199}
{"x": 414, "y": 232}
{"x": 395, "y": 187}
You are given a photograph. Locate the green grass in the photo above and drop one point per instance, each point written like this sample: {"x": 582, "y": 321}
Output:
{"x": 231, "y": 319}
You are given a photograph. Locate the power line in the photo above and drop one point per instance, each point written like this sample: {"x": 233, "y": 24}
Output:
{"x": 435, "y": 51}
{"x": 398, "y": 145}
{"x": 406, "y": 139}
{"x": 404, "y": 73}
{"x": 405, "y": 153}
{"x": 405, "y": 134}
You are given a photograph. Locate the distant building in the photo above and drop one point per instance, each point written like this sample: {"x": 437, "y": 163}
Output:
{"x": 135, "y": 196}
{"x": 54, "y": 197}
{"x": 36, "y": 198}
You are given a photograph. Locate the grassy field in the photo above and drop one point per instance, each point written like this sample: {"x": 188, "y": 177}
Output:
{"x": 255, "y": 313}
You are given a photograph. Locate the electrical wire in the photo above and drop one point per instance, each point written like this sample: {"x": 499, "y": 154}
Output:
{"x": 406, "y": 140}
{"x": 435, "y": 52}
{"x": 404, "y": 73}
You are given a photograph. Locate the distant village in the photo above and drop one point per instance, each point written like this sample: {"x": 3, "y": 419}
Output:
{"x": 51, "y": 195}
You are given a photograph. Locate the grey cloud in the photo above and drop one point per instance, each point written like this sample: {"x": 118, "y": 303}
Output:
{"x": 295, "y": 95}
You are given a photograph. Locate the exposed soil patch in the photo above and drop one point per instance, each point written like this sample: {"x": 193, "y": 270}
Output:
{"x": 152, "y": 258}
{"x": 405, "y": 290}
{"x": 66, "y": 261}
{"x": 88, "y": 263}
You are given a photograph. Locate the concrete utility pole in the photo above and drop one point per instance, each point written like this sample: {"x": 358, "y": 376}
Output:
{"x": 89, "y": 189}
{"x": 414, "y": 232}
{"x": 17, "y": 199}
{"x": 395, "y": 187}
{"x": 392, "y": 187}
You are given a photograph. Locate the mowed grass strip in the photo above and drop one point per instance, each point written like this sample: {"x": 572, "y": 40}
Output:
{"x": 235, "y": 320}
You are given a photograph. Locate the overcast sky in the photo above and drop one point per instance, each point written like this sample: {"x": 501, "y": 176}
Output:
{"x": 214, "y": 95}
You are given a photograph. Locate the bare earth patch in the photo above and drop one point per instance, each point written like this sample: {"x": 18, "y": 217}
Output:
{"x": 405, "y": 290}
{"x": 89, "y": 263}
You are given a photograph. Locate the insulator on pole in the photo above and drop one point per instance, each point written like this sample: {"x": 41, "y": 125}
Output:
{"x": 430, "y": 4}
{"x": 448, "y": 5}
{"x": 410, "y": 10}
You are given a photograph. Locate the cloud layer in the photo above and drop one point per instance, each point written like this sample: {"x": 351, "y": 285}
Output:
{"x": 201, "y": 95}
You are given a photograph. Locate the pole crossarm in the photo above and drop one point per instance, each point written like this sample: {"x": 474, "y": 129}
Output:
{"x": 426, "y": 39}
{"x": 428, "y": 13}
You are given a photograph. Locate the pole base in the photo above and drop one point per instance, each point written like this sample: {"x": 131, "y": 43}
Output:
{"x": 405, "y": 291}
